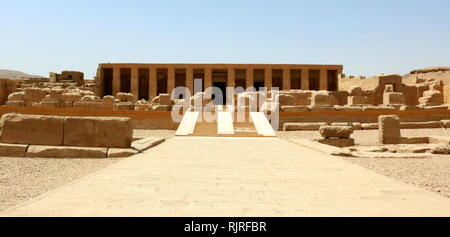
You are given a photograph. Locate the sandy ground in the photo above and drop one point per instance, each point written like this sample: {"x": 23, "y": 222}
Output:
{"x": 24, "y": 178}
{"x": 432, "y": 173}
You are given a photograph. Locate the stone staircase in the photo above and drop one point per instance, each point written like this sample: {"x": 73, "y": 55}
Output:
{"x": 245, "y": 128}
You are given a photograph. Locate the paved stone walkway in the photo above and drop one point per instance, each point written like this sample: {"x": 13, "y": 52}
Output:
{"x": 197, "y": 176}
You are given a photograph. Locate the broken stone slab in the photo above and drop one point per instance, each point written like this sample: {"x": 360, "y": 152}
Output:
{"x": 146, "y": 143}
{"x": 121, "y": 152}
{"x": 368, "y": 126}
{"x": 348, "y": 108}
{"x": 377, "y": 108}
{"x": 302, "y": 126}
{"x": 335, "y": 131}
{"x": 414, "y": 140}
{"x": 439, "y": 139}
{"x": 322, "y": 108}
{"x": 445, "y": 123}
{"x": 327, "y": 149}
{"x": 65, "y": 152}
{"x": 13, "y": 150}
{"x": 295, "y": 108}
{"x": 346, "y": 142}
{"x": 430, "y": 124}
{"x": 115, "y": 132}
{"x": 31, "y": 129}
{"x": 437, "y": 107}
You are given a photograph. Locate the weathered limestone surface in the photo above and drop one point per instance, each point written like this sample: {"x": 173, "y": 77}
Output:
{"x": 393, "y": 98}
{"x": 98, "y": 132}
{"x": 65, "y": 152}
{"x": 346, "y": 142}
{"x": 121, "y": 152}
{"x": 335, "y": 131}
{"x": 31, "y": 129}
{"x": 302, "y": 126}
{"x": 389, "y": 129}
{"x": 13, "y": 150}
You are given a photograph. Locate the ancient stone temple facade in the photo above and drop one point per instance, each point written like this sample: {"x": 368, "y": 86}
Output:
{"x": 146, "y": 81}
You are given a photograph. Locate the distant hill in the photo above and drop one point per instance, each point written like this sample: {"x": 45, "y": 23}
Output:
{"x": 11, "y": 74}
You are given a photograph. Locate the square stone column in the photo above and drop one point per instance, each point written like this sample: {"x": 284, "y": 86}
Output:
{"x": 305, "y": 79}
{"x": 152, "y": 84}
{"x": 286, "y": 79}
{"x": 248, "y": 77}
{"x": 323, "y": 79}
{"x": 268, "y": 78}
{"x": 135, "y": 82}
{"x": 231, "y": 77}
{"x": 170, "y": 79}
{"x": 116, "y": 80}
{"x": 208, "y": 78}
{"x": 190, "y": 80}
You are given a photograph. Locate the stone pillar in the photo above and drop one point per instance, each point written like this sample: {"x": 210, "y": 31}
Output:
{"x": 170, "y": 79}
{"x": 389, "y": 129}
{"x": 286, "y": 79}
{"x": 268, "y": 78}
{"x": 135, "y": 82}
{"x": 323, "y": 84}
{"x": 305, "y": 79}
{"x": 116, "y": 80}
{"x": 248, "y": 77}
{"x": 190, "y": 80}
{"x": 208, "y": 78}
{"x": 153, "y": 79}
{"x": 231, "y": 77}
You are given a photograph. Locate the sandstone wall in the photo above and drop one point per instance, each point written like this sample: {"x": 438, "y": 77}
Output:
{"x": 68, "y": 131}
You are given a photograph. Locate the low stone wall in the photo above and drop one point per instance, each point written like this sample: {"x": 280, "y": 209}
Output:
{"x": 68, "y": 131}
{"x": 140, "y": 119}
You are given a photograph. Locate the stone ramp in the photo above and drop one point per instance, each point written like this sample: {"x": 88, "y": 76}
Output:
{"x": 187, "y": 124}
{"x": 225, "y": 123}
{"x": 262, "y": 125}
{"x": 198, "y": 176}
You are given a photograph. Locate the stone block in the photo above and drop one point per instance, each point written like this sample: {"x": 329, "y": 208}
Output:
{"x": 164, "y": 99}
{"x": 358, "y": 100}
{"x": 322, "y": 108}
{"x": 121, "y": 152}
{"x": 162, "y": 108}
{"x": 13, "y": 150}
{"x": 15, "y": 103}
{"x": 65, "y": 152}
{"x": 31, "y": 129}
{"x": 146, "y": 143}
{"x": 335, "y": 131}
{"x": 393, "y": 98}
{"x": 389, "y": 129}
{"x": 123, "y": 106}
{"x": 338, "y": 142}
{"x": 285, "y": 100}
{"x": 368, "y": 126}
{"x": 98, "y": 132}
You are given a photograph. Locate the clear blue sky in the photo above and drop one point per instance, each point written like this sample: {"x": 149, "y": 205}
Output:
{"x": 367, "y": 37}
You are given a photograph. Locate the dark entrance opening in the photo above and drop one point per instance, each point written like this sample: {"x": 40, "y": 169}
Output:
{"x": 314, "y": 76}
{"x": 161, "y": 83}
{"x": 125, "y": 80}
{"x": 258, "y": 85}
{"x": 277, "y": 78}
{"x": 332, "y": 80}
{"x": 107, "y": 81}
{"x": 144, "y": 83}
{"x": 220, "y": 98}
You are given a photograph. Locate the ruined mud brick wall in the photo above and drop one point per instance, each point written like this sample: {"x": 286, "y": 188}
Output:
{"x": 427, "y": 76}
{"x": 7, "y": 86}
